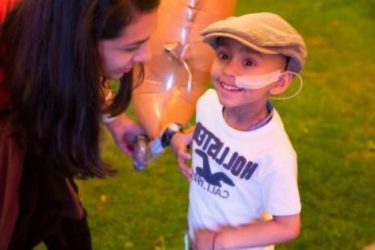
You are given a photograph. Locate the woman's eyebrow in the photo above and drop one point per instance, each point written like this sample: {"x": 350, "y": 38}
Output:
{"x": 138, "y": 42}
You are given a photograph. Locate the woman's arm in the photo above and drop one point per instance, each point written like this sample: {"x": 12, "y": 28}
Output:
{"x": 123, "y": 130}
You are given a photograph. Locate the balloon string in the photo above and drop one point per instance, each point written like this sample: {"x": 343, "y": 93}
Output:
{"x": 190, "y": 75}
{"x": 192, "y": 4}
{"x": 177, "y": 52}
{"x": 187, "y": 68}
{"x": 191, "y": 16}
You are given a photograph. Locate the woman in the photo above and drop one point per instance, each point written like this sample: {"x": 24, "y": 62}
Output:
{"x": 56, "y": 56}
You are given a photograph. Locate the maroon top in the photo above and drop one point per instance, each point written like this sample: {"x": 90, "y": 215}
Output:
{"x": 4, "y": 96}
{"x": 11, "y": 159}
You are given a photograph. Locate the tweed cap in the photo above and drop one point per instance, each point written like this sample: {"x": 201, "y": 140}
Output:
{"x": 264, "y": 32}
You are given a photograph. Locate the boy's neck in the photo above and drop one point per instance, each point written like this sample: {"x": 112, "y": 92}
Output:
{"x": 248, "y": 119}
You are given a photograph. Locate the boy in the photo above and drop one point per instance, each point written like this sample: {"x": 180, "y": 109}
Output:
{"x": 243, "y": 163}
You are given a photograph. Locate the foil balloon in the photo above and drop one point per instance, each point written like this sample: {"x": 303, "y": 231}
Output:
{"x": 178, "y": 72}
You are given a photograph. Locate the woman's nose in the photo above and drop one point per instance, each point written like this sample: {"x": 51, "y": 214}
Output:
{"x": 143, "y": 54}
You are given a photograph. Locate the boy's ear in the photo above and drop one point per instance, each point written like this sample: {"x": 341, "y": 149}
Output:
{"x": 282, "y": 84}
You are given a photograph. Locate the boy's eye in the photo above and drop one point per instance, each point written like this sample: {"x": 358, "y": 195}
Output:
{"x": 248, "y": 62}
{"x": 222, "y": 56}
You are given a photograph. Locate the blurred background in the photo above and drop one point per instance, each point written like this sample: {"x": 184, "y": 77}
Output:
{"x": 331, "y": 124}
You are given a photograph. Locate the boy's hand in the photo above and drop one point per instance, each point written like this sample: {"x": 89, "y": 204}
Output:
{"x": 180, "y": 144}
{"x": 204, "y": 240}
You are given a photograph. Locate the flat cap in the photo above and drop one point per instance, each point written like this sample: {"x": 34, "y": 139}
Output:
{"x": 264, "y": 32}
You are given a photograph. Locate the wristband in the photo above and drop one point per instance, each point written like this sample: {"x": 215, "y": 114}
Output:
{"x": 169, "y": 132}
{"x": 161, "y": 142}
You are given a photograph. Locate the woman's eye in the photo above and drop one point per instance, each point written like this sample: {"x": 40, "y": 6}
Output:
{"x": 131, "y": 48}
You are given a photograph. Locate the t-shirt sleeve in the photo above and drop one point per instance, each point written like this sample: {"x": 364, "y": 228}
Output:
{"x": 280, "y": 189}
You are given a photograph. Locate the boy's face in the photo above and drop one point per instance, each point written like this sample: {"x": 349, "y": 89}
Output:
{"x": 234, "y": 59}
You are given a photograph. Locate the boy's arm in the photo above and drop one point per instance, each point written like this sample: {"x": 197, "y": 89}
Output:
{"x": 180, "y": 144}
{"x": 279, "y": 229}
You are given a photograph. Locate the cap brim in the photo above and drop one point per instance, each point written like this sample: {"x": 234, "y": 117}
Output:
{"x": 208, "y": 38}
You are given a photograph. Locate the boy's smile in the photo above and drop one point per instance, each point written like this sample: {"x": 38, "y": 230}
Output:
{"x": 230, "y": 87}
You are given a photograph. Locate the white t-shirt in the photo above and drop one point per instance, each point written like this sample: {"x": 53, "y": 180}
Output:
{"x": 238, "y": 175}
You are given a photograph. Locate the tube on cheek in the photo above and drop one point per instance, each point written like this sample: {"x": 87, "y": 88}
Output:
{"x": 257, "y": 81}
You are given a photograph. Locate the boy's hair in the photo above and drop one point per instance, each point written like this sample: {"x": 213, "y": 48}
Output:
{"x": 265, "y": 32}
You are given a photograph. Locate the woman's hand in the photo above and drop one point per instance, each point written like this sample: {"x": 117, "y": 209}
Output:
{"x": 124, "y": 132}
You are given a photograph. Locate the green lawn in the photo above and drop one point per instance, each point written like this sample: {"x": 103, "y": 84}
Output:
{"x": 331, "y": 124}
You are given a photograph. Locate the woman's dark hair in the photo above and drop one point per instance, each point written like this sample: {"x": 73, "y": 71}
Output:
{"x": 49, "y": 50}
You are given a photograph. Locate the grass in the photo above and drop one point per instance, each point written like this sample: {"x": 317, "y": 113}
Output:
{"x": 331, "y": 124}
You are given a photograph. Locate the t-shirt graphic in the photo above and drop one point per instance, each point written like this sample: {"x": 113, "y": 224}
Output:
{"x": 214, "y": 179}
